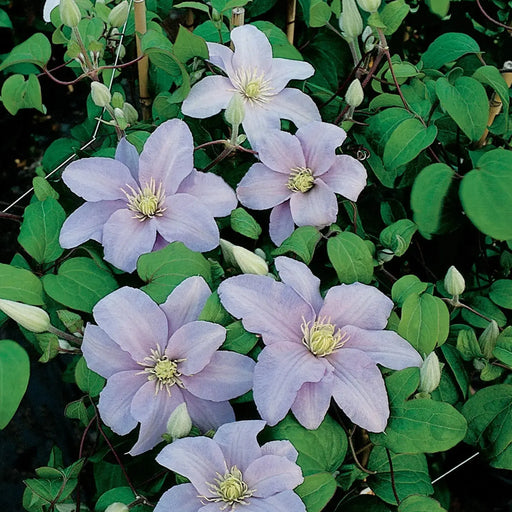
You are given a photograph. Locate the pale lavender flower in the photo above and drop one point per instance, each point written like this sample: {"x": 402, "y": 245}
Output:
{"x": 261, "y": 82}
{"x": 49, "y": 5}
{"x": 299, "y": 177}
{"x": 318, "y": 348}
{"x": 231, "y": 472}
{"x": 157, "y": 357}
{"x": 131, "y": 199}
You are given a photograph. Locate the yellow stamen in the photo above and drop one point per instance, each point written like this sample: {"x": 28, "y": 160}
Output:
{"x": 163, "y": 370}
{"x": 301, "y": 179}
{"x": 146, "y": 202}
{"x": 322, "y": 338}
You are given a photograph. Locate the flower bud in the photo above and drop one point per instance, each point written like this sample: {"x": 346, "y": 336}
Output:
{"x": 180, "y": 423}
{"x": 369, "y": 5}
{"x": 119, "y": 14}
{"x": 245, "y": 260}
{"x": 100, "y": 94}
{"x": 355, "y": 95}
{"x": 69, "y": 13}
{"x": 117, "y": 507}
{"x": 120, "y": 119}
{"x": 454, "y": 283}
{"x": 130, "y": 114}
{"x": 31, "y": 318}
{"x": 235, "y": 111}
{"x": 430, "y": 373}
{"x": 351, "y": 23}
{"x": 117, "y": 100}
{"x": 487, "y": 339}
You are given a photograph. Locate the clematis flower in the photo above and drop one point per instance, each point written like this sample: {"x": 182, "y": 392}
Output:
{"x": 157, "y": 357}
{"x": 259, "y": 79}
{"x": 49, "y": 5}
{"x": 131, "y": 199}
{"x": 232, "y": 470}
{"x": 299, "y": 176}
{"x": 318, "y": 348}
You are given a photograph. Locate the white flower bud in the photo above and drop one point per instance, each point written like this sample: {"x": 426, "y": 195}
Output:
{"x": 120, "y": 119}
{"x": 100, "y": 94}
{"x": 117, "y": 100}
{"x": 117, "y": 507}
{"x": 355, "y": 94}
{"x": 69, "y": 13}
{"x": 180, "y": 423}
{"x": 454, "y": 283}
{"x": 31, "y": 318}
{"x": 351, "y": 23}
{"x": 369, "y": 5}
{"x": 235, "y": 111}
{"x": 119, "y": 14}
{"x": 130, "y": 114}
{"x": 245, "y": 260}
{"x": 430, "y": 373}
{"x": 487, "y": 339}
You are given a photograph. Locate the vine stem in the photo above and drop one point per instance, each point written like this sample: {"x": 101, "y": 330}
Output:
{"x": 392, "y": 476}
{"x": 492, "y": 20}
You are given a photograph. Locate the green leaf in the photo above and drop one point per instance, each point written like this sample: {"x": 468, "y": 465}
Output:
{"x": 428, "y": 197}
{"x": 486, "y": 194}
{"x": 14, "y": 377}
{"x": 350, "y": 257}
{"x": 87, "y": 380}
{"x": 18, "y": 93}
{"x": 466, "y": 103}
{"x": 165, "y": 269}
{"x": 503, "y": 348}
{"x": 5, "y": 21}
{"x": 281, "y": 47}
{"x": 42, "y": 189}
{"x": 383, "y": 124}
{"x": 79, "y": 284}
{"x": 490, "y": 75}
{"x": 392, "y": 15}
{"x": 238, "y": 339}
{"x": 39, "y": 233}
{"x": 447, "y": 48}
{"x": 301, "y": 242}
{"x": 210, "y": 33}
{"x": 406, "y": 286}
{"x": 485, "y": 307}
{"x": 213, "y": 311}
{"x": 35, "y": 50}
{"x": 192, "y": 5}
{"x": 316, "y": 491}
{"x": 425, "y": 322}
{"x": 20, "y": 285}
{"x": 117, "y": 494}
{"x": 501, "y": 293}
{"x": 398, "y": 236}
{"x": 453, "y": 359}
{"x": 420, "y": 504}
{"x": 316, "y": 12}
{"x": 410, "y": 472}
{"x": 439, "y": 7}
{"x": 77, "y": 411}
{"x": 189, "y": 45}
{"x": 244, "y": 223}
{"x": 489, "y": 416}
{"x": 364, "y": 503}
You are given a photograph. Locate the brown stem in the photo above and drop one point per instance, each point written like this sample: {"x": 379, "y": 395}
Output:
{"x": 354, "y": 454}
{"x": 11, "y": 216}
{"x": 392, "y": 475}
{"x": 291, "y": 7}
{"x": 139, "y": 8}
{"x": 496, "y": 22}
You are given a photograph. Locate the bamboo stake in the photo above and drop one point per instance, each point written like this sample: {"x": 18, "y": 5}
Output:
{"x": 237, "y": 17}
{"x": 495, "y": 103}
{"x": 143, "y": 64}
{"x": 291, "y": 7}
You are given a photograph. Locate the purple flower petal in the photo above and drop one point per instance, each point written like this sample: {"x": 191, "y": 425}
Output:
{"x": 285, "y": 501}
{"x": 103, "y": 355}
{"x": 116, "y": 398}
{"x": 266, "y": 307}
{"x": 98, "y": 178}
{"x": 125, "y": 238}
{"x": 211, "y": 190}
{"x": 226, "y": 376}
{"x": 258, "y": 121}
{"x": 153, "y": 410}
{"x": 319, "y": 142}
{"x": 196, "y": 342}
{"x": 359, "y": 389}
{"x": 127, "y": 154}
{"x": 313, "y": 400}
{"x": 318, "y": 207}
{"x": 347, "y": 176}
{"x": 296, "y": 106}
{"x": 262, "y": 188}
{"x": 87, "y": 222}
{"x": 282, "y": 448}
{"x": 281, "y": 223}
{"x": 357, "y": 304}
{"x": 284, "y": 70}
{"x": 384, "y": 347}
{"x": 220, "y": 56}
{"x": 252, "y": 49}
{"x": 187, "y": 220}
{"x": 186, "y": 302}
{"x": 297, "y": 275}
{"x": 272, "y": 474}
{"x": 133, "y": 321}
{"x": 238, "y": 442}
{"x": 208, "y": 97}
{"x": 207, "y": 415}
{"x": 181, "y": 497}
{"x": 197, "y": 458}
{"x": 167, "y": 156}
{"x": 281, "y": 152}
{"x": 281, "y": 370}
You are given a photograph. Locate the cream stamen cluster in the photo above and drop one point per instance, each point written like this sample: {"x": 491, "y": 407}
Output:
{"x": 253, "y": 85}
{"x": 322, "y": 338}
{"x": 163, "y": 370}
{"x": 301, "y": 179}
{"x": 146, "y": 202}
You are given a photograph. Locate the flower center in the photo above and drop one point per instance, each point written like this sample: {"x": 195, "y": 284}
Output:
{"x": 146, "y": 202}
{"x": 322, "y": 338}
{"x": 253, "y": 85}
{"x": 163, "y": 370}
{"x": 301, "y": 179}
{"x": 229, "y": 489}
